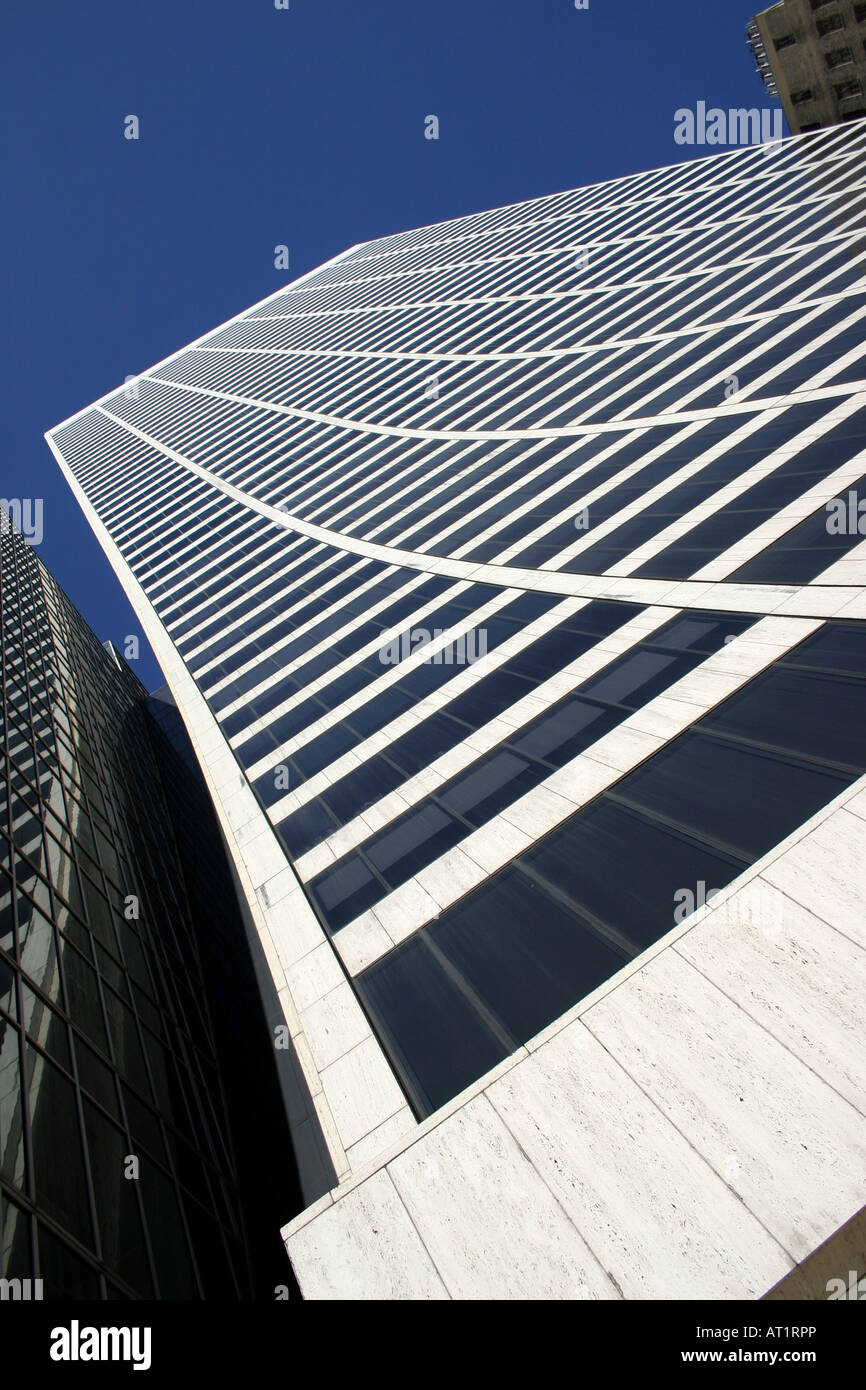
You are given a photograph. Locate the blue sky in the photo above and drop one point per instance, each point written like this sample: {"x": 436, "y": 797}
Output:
{"x": 302, "y": 127}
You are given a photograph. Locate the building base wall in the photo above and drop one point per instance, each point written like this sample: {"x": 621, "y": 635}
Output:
{"x": 694, "y": 1130}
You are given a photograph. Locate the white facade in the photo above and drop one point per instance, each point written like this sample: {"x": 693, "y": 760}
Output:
{"x": 568, "y": 932}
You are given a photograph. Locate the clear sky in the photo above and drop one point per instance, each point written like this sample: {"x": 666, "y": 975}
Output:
{"x": 302, "y": 127}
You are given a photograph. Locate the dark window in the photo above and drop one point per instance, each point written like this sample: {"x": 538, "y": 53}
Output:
{"x": 410, "y": 842}
{"x": 436, "y": 1034}
{"x": 535, "y": 938}
{"x": 803, "y": 552}
{"x": 859, "y": 12}
{"x": 780, "y": 711}
{"x": 116, "y": 1202}
{"x": 684, "y": 556}
{"x": 346, "y": 891}
{"x": 829, "y": 25}
{"x": 838, "y": 57}
{"x": 852, "y": 88}
{"x": 839, "y": 647}
{"x": 61, "y": 1190}
{"x": 696, "y": 785}
{"x": 529, "y": 957}
{"x": 620, "y": 868}
{"x": 804, "y": 94}
{"x": 784, "y": 42}
{"x": 170, "y": 1250}
{"x": 490, "y": 785}
{"x": 65, "y": 1274}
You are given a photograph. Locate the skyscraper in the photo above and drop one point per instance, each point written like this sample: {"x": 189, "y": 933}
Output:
{"x": 812, "y": 55}
{"x": 508, "y": 576}
{"x": 118, "y": 1163}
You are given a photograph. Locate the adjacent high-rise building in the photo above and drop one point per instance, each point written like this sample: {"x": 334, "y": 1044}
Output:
{"x": 812, "y": 55}
{"x": 125, "y": 1163}
{"x": 508, "y": 575}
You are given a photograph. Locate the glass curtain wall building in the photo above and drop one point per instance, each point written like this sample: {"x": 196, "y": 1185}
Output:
{"x": 508, "y": 575}
{"x": 118, "y": 1176}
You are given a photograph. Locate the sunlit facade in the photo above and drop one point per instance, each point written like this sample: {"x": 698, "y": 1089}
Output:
{"x": 508, "y": 575}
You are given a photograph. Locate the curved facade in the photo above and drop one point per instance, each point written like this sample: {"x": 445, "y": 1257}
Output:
{"x": 508, "y": 574}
